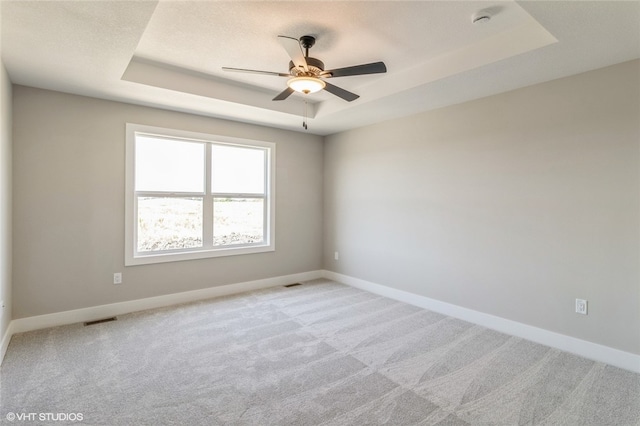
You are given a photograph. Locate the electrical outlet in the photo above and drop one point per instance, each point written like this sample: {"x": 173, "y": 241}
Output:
{"x": 336, "y": 255}
{"x": 117, "y": 278}
{"x": 581, "y": 306}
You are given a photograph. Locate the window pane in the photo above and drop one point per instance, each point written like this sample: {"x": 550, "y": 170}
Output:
{"x": 237, "y": 170}
{"x": 238, "y": 221}
{"x": 169, "y": 223}
{"x": 169, "y": 165}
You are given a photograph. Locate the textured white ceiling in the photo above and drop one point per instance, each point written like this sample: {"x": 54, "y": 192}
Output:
{"x": 170, "y": 53}
{"x": 209, "y": 35}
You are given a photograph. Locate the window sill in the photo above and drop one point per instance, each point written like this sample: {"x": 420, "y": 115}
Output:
{"x": 131, "y": 260}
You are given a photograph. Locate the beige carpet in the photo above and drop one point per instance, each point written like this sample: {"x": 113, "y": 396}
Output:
{"x": 319, "y": 353}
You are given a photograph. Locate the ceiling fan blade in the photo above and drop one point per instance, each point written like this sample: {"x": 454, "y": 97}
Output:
{"x": 293, "y": 48}
{"x": 278, "y": 74}
{"x": 284, "y": 94}
{"x": 372, "y": 68}
{"x": 341, "y": 93}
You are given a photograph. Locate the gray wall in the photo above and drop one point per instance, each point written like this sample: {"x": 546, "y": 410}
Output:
{"x": 5, "y": 199}
{"x": 69, "y": 205}
{"x": 513, "y": 205}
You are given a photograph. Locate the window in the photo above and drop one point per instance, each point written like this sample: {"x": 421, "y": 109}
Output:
{"x": 193, "y": 195}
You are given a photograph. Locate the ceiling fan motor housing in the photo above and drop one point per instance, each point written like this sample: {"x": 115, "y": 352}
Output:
{"x": 316, "y": 66}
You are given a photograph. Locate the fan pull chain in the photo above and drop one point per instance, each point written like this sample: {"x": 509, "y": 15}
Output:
{"x": 304, "y": 117}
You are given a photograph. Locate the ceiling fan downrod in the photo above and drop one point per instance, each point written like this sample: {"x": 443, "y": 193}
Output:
{"x": 307, "y": 42}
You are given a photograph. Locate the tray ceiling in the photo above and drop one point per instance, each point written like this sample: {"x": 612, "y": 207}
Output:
{"x": 170, "y": 54}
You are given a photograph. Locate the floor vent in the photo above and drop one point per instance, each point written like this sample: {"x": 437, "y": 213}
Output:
{"x": 100, "y": 321}
{"x": 292, "y": 285}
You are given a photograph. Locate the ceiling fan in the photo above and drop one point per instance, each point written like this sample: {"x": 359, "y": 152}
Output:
{"x": 307, "y": 74}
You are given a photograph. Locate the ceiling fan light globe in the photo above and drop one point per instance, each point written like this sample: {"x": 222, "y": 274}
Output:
{"x": 306, "y": 84}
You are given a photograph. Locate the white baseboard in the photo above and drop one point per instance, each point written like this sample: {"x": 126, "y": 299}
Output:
{"x": 580, "y": 347}
{"x": 586, "y": 349}
{"x": 102, "y": 311}
{"x": 4, "y": 344}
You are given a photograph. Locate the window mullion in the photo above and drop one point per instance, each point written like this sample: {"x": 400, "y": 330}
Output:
{"x": 207, "y": 208}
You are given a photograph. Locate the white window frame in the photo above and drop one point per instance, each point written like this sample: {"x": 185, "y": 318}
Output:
{"x": 133, "y": 257}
